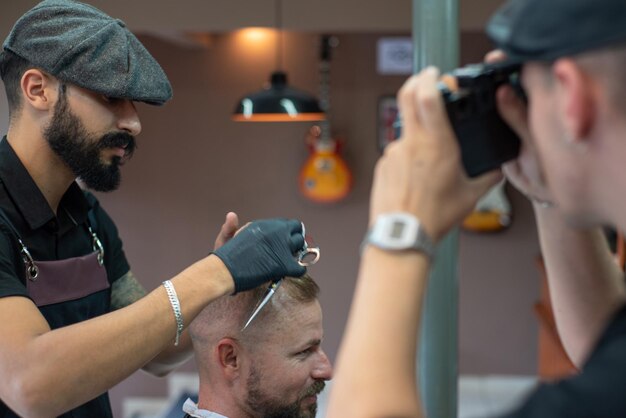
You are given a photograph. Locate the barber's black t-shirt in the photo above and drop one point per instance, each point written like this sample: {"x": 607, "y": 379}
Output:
{"x": 51, "y": 237}
{"x": 598, "y": 391}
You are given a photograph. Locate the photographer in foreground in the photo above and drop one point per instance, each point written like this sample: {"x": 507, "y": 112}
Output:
{"x": 571, "y": 166}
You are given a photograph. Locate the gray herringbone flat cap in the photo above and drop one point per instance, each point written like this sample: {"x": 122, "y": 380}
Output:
{"x": 81, "y": 45}
{"x": 544, "y": 30}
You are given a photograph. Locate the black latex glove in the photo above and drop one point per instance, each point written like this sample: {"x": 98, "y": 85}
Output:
{"x": 264, "y": 250}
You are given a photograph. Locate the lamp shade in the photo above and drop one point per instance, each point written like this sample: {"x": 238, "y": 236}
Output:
{"x": 278, "y": 103}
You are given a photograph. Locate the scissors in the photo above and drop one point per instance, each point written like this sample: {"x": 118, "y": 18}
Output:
{"x": 307, "y": 256}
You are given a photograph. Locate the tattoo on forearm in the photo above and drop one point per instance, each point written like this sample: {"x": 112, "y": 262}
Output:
{"x": 125, "y": 291}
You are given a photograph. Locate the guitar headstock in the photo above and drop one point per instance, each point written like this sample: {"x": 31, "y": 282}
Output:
{"x": 316, "y": 142}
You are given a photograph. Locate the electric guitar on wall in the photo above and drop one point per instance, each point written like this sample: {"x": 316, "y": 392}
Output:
{"x": 325, "y": 176}
{"x": 492, "y": 213}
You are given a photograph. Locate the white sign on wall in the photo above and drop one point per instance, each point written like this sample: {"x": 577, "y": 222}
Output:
{"x": 395, "y": 56}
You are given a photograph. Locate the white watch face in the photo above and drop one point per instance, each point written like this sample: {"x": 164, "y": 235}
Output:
{"x": 394, "y": 231}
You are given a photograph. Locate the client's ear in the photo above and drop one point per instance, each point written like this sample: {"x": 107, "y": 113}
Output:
{"x": 227, "y": 351}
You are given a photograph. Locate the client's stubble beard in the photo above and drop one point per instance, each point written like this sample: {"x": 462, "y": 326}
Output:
{"x": 259, "y": 402}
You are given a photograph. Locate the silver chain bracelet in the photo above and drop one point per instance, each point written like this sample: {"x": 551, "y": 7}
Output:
{"x": 178, "y": 315}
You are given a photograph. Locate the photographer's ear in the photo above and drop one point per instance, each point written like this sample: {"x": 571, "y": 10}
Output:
{"x": 576, "y": 97}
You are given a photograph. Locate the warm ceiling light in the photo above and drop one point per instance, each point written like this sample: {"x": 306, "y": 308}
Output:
{"x": 255, "y": 35}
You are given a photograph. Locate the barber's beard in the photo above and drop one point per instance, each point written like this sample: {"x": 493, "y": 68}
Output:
{"x": 81, "y": 150}
{"x": 267, "y": 407}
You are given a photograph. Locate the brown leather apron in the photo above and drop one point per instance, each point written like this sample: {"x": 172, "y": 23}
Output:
{"x": 59, "y": 281}
{"x": 50, "y": 282}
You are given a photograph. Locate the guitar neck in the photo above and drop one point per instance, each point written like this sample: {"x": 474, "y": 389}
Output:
{"x": 324, "y": 94}
{"x": 328, "y": 42}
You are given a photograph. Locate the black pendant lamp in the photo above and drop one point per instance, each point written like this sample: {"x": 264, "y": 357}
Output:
{"x": 278, "y": 102}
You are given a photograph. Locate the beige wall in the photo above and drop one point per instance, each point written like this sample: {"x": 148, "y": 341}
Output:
{"x": 193, "y": 165}
{"x": 304, "y": 15}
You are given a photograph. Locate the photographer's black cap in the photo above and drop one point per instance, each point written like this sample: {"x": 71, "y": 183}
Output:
{"x": 543, "y": 30}
{"x": 80, "y": 44}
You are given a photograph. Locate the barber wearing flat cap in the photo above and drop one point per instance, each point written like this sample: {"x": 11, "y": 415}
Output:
{"x": 74, "y": 321}
{"x": 571, "y": 166}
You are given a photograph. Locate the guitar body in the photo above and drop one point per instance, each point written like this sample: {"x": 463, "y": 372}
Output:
{"x": 325, "y": 176}
{"x": 492, "y": 213}
{"x": 486, "y": 221}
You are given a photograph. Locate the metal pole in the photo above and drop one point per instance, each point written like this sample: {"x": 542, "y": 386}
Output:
{"x": 436, "y": 42}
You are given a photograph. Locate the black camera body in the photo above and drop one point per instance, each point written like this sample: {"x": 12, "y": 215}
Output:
{"x": 486, "y": 141}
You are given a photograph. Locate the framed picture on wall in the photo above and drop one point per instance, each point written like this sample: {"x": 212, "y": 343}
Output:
{"x": 387, "y": 121}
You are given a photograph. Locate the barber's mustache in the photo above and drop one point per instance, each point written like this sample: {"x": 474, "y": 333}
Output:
{"x": 119, "y": 140}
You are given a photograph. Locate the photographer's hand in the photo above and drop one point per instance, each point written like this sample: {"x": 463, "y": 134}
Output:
{"x": 422, "y": 173}
{"x": 524, "y": 172}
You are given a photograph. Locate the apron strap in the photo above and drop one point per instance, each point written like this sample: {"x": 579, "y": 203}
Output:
{"x": 31, "y": 267}
{"x": 96, "y": 245}
{"x": 93, "y": 226}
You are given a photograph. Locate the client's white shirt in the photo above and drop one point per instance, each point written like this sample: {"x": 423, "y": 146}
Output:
{"x": 191, "y": 408}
